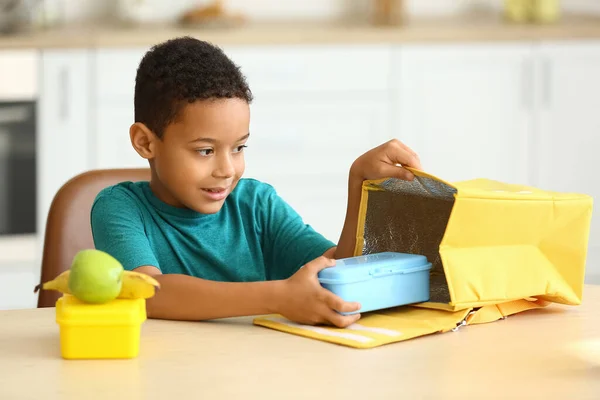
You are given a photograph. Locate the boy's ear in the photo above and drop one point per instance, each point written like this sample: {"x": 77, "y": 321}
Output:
{"x": 143, "y": 140}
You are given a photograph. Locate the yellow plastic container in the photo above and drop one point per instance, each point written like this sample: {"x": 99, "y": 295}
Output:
{"x": 518, "y": 10}
{"x": 537, "y": 11}
{"x": 100, "y": 331}
{"x": 546, "y": 11}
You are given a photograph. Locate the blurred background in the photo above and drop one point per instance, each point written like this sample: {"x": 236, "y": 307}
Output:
{"x": 498, "y": 89}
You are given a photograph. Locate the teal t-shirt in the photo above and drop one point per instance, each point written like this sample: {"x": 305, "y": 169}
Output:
{"x": 256, "y": 235}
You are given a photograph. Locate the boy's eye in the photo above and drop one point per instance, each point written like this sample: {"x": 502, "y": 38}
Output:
{"x": 204, "y": 152}
{"x": 239, "y": 149}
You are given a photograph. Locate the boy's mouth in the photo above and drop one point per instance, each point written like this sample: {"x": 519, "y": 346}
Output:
{"x": 215, "y": 194}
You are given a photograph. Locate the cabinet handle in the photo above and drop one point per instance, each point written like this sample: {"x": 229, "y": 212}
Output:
{"x": 528, "y": 77}
{"x": 547, "y": 89}
{"x": 63, "y": 101}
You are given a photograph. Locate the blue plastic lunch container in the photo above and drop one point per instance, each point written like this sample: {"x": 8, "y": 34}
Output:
{"x": 380, "y": 280}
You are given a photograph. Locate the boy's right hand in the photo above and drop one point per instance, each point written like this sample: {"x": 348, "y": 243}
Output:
{"x": 303, "y": 299}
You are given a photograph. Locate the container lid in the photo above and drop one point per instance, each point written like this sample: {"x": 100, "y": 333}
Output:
{"x": 360, "y": 268}
{"x": 71, "y": 311}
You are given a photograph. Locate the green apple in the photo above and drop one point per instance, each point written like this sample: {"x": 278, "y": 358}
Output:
{"x": 95, "y": 276}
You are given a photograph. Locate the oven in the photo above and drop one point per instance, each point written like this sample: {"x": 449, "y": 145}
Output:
{"x": 18, "y": 151}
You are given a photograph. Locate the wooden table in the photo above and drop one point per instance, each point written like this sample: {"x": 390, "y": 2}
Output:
{"x": 537, "y": 354}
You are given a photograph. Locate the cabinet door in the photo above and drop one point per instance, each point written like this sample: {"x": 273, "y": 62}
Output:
{"x": 114, "y": 88}
{"x": 16, "y": 286}
{"x": 112, "y": 142}
{"x": 305, "y": 149}
{"x": 568, "y": 139}
{"x": 63, "y": 125}
{"x": 466, "y": 109}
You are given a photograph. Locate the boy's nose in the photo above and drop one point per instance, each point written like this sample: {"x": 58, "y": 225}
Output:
{"x": 224, "y": 167}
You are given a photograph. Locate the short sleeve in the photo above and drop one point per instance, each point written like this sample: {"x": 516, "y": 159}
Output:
{"x": 289, "y": 242}
{"x": 118, "y": 229}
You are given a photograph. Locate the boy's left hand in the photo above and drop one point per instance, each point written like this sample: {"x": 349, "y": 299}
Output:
{"x": 386, "y": 161}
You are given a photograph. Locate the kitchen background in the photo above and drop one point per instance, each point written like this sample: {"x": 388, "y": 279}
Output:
{"x": 157, "y": 10}
{"x": 506, "y": 90}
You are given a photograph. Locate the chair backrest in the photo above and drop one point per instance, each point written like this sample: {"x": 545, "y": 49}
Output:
{"x": 68, "y": 227}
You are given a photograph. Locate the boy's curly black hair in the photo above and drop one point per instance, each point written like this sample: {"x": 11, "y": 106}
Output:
{"x": 181, "y": 71}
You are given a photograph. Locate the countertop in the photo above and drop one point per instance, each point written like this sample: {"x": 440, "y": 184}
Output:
{"x": 551, "y": 353}
{"x": 455, "y": 29}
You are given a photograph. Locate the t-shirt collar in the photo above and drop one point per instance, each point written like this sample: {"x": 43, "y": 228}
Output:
{"x": 169, "y": 209}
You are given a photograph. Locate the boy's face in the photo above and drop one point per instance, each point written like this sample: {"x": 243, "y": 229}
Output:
{"x": 200, "y": 159}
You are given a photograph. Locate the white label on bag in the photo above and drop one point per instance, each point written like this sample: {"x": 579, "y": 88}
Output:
{"x": 323, "y": 331}
{"x": 381, "y": 331}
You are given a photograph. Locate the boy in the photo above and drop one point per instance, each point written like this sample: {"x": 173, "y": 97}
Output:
{"x": 220, "y": 245}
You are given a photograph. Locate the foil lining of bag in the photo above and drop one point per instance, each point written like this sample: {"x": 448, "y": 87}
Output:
{"x": 411, "y": 217}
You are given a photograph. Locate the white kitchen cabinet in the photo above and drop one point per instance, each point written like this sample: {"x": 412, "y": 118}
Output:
{"x": 114, "y": 73}
{"x": 64, "y": 123}
{"x": 16, "y": 286}
{"x": 467, "y": 109}
{"x": 305, "y": 149}
{"x": 113, "y": 95}
{"x": 316, "y": 109}
{"x": 567, "y": 139}
{"x": 314, "y": 70}
{"x": 112, "y": 143}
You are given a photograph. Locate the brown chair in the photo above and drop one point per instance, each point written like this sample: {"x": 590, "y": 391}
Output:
{"x": 68, "y": 227}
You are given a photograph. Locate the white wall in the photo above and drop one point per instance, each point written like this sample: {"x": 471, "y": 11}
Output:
{"x": 305, "y": 9}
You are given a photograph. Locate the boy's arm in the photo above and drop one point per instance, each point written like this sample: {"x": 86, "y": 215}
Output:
{"x": 378, "y": 163}
{"x": 182, "y": 297}
{"x": 299, "y": 298}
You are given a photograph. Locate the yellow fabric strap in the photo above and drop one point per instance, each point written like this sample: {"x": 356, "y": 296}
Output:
{"x": 398, "y": 324}
{"x": 495, "y": 312}
{"x": 374, "y": 329}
